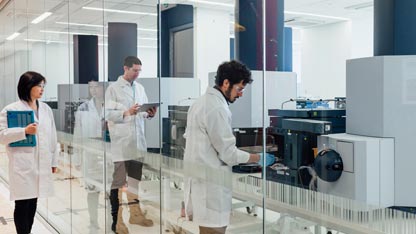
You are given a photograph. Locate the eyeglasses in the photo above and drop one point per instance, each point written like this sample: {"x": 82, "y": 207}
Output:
{"x": 136, "y": 70}
{"x": 239, "y": 89}
{"x": 41, "y": 85}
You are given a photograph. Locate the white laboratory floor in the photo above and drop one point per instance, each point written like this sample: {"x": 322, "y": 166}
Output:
{"x": 6, "y": 215}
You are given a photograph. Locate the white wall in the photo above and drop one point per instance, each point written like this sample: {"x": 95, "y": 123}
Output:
{"x": 297, "y": 57}
{"x": 11, "y": 68}
{"x": 320, "y": 55}
{"x": 55, "y": 62}
{"x": 211, "y": 41}
{"x": 148, "y": 56}
{"x": 6, "y": 80}
{"x": 324, "y": 52}
{"x": 362, "y": 42}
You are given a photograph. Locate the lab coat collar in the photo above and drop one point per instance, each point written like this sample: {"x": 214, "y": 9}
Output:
{"x": 26, "y": 104}
{"x": 91, "y": 106}
{"x": 126, "y": 86}
{"x": 123, "y": 81}
{"x": 218, "y": 93}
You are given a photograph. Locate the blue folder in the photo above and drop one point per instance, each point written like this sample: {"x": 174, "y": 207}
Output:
{"x": 21, "y": 119}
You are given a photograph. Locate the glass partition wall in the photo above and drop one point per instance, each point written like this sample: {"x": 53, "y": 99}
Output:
{"x": 7, "y": 49}
{"x": 186, "y": 170}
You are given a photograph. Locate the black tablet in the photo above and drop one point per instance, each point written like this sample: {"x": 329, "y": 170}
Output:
{"x": 146, "y": 106}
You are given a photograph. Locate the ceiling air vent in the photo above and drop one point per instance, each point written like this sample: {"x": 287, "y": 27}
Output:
{"x": 302, "y": 22}
{"x": 361, "y": 6}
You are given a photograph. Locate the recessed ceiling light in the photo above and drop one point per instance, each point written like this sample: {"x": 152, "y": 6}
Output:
{"x": 151, "y": 47}
{"x": 148, "y": 38}
{"x": 13, "y": 36}
{"x": 45, "y": 41}
{"x": 41, "y": 17}
{"x": 71, "y": 33}
{"x": 78, "y": 24}
{"x": 315, "y": 15}
{"x": 119, "y": 11}
{"x": 91, "y": 34}
{"x": 147, "y": 29}
{"x": 100, "y": 26}
{"x": 213, "y": 3}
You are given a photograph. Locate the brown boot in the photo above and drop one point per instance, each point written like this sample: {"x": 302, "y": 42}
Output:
{"x": 136, "y": 214}
{"x": 121, "y": 228}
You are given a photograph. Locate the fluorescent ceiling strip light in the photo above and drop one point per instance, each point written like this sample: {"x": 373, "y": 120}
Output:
{"x": 315, "y": 15}
{"x": 100, "y": 26}
{"x": 13, "y": 36}
{"x": 147, "y": 38}
{"x": 78, "y": 24}
{"x": 147, "y": 29}
{"x": 46, "y": 41}
{"x": 212, "y": 3}
{"x": 41, "y": 17}
{"x": 151, "y": 47}
{"x": 72, "y": 33}
{"x": 119, "y": 11}
{"x": 80, "y": 33}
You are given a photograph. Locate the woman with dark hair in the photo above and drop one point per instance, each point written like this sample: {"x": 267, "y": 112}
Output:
{"x": 30, "y": 167}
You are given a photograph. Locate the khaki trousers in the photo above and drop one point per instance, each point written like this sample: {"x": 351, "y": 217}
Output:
{"x": 212, "y": 230}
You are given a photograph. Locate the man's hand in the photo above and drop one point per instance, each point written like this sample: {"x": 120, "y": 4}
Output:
{"x": 152, "y": 112}
{"x": 132, "y": 110}
{"x": 31, "y": 129}
{"x": 270, "y": 159}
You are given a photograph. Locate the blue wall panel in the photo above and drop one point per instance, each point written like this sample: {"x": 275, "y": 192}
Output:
{"x": 249, "y": 42}
{"x": 122, "y": 42}
{"x": 287, "y": 51}
{"x": 172, "y": 18}
{"x": 394, "y": 27}
{"x": 405, "y": 27}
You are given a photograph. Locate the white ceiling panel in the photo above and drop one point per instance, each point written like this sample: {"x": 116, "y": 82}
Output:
{"x": 17, "y": 15}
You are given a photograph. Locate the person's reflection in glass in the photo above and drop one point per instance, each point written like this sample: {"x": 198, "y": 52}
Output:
{"x": 89, "y": 122}
{"x": 126, "y": 126}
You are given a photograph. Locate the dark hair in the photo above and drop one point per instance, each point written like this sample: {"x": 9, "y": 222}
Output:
{"x": 234, "y": 72}
{"x": 27, "y": 81}
{"x": 130, "y": 60}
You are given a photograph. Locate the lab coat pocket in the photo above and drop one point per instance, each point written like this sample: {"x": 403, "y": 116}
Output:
{"x": 23, "y": 150}
{"x": 23, "y": 161}
{"x": 218, "y": 198}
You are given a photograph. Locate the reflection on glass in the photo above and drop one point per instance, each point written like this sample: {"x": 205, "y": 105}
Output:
{"x": 90, "y": 124}
{"x": 126, "y": 125}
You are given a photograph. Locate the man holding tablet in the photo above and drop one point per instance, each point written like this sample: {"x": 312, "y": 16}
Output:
{"x": 126, "y": 126}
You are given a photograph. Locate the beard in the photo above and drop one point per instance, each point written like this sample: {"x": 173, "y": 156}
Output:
{"x": 228, "y": 95}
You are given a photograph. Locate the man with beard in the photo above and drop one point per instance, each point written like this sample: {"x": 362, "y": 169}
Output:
{"x": 210, "y": 142}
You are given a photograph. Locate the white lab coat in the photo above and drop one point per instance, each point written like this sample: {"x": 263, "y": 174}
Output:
{"x": 88, "y": 124}
{"x": 30, "y": 173}
{"x": 126, "y": 134}
{"x": 210, "y": 142}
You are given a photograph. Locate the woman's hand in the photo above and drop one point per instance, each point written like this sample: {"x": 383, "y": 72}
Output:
{"x": 31, "y": 129}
